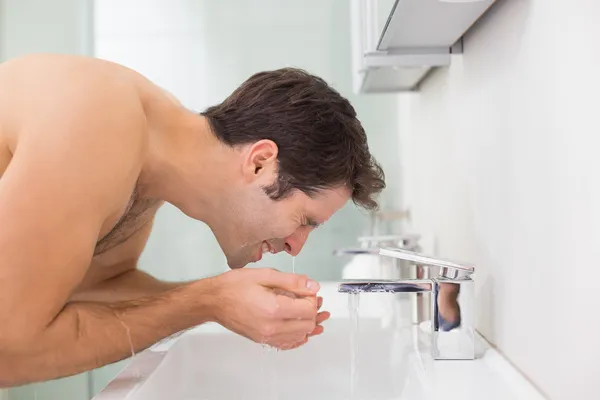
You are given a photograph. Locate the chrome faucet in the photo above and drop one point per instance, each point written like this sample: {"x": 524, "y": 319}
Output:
{"x": 450, "y": 305}
{"x": 393, "y": 268}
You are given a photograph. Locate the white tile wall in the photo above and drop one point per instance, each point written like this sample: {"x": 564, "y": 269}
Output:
{"x": 500, "y": 167}
{"x": 59, "y": 26}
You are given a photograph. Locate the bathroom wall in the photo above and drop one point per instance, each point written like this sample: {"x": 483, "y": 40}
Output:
{"x": 3, "y": 392}
{"x": 500, "y": 167}
{"x": 60, "y": 26}
{"x": 2, "y": 37}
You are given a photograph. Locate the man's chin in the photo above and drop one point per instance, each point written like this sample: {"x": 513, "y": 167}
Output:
{"x": 242, "y": 258}
{"x": 236, "y": 264}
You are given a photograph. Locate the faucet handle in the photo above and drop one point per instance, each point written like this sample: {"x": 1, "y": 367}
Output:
{"x": 449, "y": 269}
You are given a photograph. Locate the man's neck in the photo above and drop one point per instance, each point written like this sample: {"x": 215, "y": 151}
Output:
{"x": 186, "y": 166}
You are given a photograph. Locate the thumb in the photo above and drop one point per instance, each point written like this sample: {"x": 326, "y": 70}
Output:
{"x": 298, "y": 284}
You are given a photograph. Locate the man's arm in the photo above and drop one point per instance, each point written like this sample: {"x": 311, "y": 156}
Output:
{"x": 79, "y": 152}
{"x": 84, "y": 336}
{"x": 128, "y": 283}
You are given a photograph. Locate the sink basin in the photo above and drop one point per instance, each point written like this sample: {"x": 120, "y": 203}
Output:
{"x": 393, "y": 363}
{"x": 223, "y": 366}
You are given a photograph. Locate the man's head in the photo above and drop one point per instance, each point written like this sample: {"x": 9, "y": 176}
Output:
{"x": 302, "y": 153}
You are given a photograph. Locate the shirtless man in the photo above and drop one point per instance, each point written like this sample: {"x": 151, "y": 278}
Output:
{"x": 89, "y": 150}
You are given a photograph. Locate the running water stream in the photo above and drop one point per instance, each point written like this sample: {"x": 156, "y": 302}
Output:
{"x": 135, "y": 371}
{"x": 353, "y": 303}
{"x": 269, "y": 362}
{"x": 269, "y": 371}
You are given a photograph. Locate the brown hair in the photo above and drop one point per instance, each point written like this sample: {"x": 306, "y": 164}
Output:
{"x": 321, "y": 142}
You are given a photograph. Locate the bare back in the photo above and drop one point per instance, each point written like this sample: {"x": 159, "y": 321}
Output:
{"x": 126, "y": 226}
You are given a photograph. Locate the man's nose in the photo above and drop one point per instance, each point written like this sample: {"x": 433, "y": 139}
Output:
{"x": 295, "y": 242}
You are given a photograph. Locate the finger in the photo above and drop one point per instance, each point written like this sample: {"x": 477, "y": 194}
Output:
{"x": 282, "y": 292}
{"x": 295, "y": 330}
{"x": 317, "y": 331}
{"x": 300, "y": 308}
{"x": 297, "y": 284}
{"x": 319, "y": 302}
{"x": 322, "y": 317}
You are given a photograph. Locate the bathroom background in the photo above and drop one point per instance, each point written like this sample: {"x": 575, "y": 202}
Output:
{"x": 494, "y": 156}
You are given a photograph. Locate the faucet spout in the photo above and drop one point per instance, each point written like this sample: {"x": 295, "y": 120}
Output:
{"x": 450, "y": 317}
{"x": 386, "y": 286}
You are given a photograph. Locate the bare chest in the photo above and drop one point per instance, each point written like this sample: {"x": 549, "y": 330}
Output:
{"x": 122, "y": 244}
{"x": 139, "y": 213}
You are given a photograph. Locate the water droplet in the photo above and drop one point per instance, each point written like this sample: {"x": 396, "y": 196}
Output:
{"x": 135, "y": 371}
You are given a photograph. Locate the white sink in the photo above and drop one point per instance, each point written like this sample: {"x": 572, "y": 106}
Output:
{"x": 211, "y": 363}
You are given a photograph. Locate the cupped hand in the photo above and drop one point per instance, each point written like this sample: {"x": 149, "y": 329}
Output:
{"x": 268, "y": 306}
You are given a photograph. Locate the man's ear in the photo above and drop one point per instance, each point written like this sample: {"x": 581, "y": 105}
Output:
{"x": 260, "y": 161}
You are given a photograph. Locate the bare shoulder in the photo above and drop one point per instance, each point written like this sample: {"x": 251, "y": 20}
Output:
{"x": 61, "y": 84}
{"x": 43, "y": 79}
{"x": 76, "y": 114}
{"x": 53, "y": 67}
{"x": 50, "y": 69}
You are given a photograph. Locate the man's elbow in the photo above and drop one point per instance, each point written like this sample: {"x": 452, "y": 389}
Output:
{"x": 18, "y": 370}
{"x": 16, "y": 361}
{"x": 9, "y": 372}
{"x": 13, "y": 380}
{"x": 6, "y": 382}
